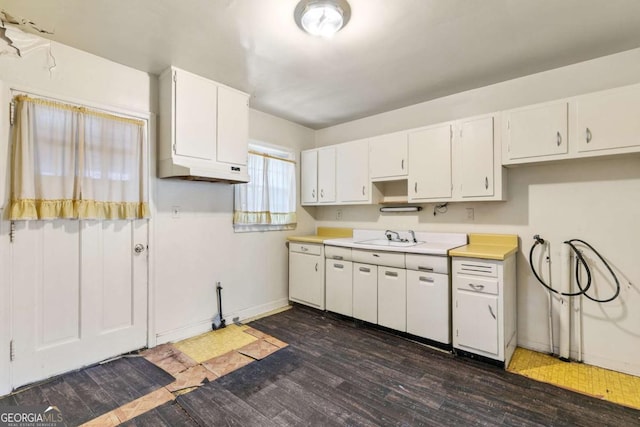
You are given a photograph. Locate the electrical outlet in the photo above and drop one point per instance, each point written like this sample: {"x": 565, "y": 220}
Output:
{"x": 339, "y": 214}
{"x": 175, "y": 211}
{"x": 470, "y": 214}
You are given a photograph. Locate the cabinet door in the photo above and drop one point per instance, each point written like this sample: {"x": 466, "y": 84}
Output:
{"x": 352, "y": 171}
{"x": 327, "y": 175}
{"x": 233, "y": 126}
{"x": 430, "y": 163}
{"x": 537, "y": 131}
{"x": 339, "y": 286}
{"x": 476, "y": 321}
{"x": 476, "y": 157}
{"x": 428, "y": 306}
{"x": 195, "y": 116}
{"x": 608, "y": 120}
{"x": 392, "y": 298}
{"x": 365, "y": 292}
{"x": 309, "y": 177}
{"x": 306, "y": 279}
{"x": 388, "y": 156}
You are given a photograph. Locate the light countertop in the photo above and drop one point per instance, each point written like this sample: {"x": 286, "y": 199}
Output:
{"x": 488, "y": 246}
{"x": 322, "y": 234}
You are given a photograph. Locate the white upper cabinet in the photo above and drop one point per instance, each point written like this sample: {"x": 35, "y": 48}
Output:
{"x": 479, "y": 172}
{"x": 309, "y": 177}
{"x": 233, "y": 126}
{"x": 535, "y": 133}
{"x": 608, "y": 120}
{"x": 430, "y": 163}
{"x": 352, "y": 172}
{"x": 388, "y": 156}
{"x": 203, "y": 129}
{"x": 327, "y": 175}
{"x": 196, "y": 106}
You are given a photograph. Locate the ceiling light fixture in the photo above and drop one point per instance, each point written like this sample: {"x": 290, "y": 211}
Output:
{"x": 322, "y": 18}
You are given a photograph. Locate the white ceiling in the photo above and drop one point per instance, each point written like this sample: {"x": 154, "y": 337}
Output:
{"x": 393, "y": 53}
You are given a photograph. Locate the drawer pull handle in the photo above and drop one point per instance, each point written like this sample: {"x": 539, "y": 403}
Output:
{"x": 313, "y": 193}
{"x": 316, "y": 266}
{"x": 426, "y": 279}
{"x": 486, "y": 182}
{"x": 303, "y": 249}
{"x": 376, "y": 255}
{"x": 338, "y": 257}
{"x": 365, "y": 270}
{"x": 491, "y": 312}
{"x": 338, "y": 266}
{"x": 420, "y": 268}
{"x": 402, "y": 164}
{"x": 476, "y": 287}
{"x": 363, "y": 190}
{"x": 559, "y": 139}
{"x": 391, "y": 273}
{"x": 589, "y": 136}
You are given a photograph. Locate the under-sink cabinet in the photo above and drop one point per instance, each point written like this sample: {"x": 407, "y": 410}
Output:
{"x": 365, "y": 292}
{"x": 339, "y": 280}
{"x": 484, "y": 304}
{"x": 306, "y": 274}
{"x": 428, "y": 297}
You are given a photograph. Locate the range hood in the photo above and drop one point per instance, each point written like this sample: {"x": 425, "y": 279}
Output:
{"x": 194, "y": 170}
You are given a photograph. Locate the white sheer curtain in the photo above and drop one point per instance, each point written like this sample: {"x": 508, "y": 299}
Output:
{"x": 71, "y": 162}
{"x": 268, "y": 201}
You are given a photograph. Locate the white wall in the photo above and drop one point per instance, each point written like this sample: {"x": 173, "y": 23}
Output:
{"x": 199, "y": 248}
{"x": 597, "y": 200}
{"x": 188, "y": 254}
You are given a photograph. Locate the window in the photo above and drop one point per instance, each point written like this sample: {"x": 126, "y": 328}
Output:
{"x": 268, "y": 200}
{"x": 72, "y": 162}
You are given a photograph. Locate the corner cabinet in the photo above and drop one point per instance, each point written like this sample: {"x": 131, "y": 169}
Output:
{"x": 479, "y": 173}
{"x": 204, "y": 129}
{"x": 484, "y": 307}
{"x": 306, "y": 274}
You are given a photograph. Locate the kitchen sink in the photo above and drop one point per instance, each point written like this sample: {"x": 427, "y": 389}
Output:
{"x": 388, "y": 243}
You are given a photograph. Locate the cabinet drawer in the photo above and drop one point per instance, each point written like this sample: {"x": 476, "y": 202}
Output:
{"x": 389, "y": 259}
{"x": 338, "y": 253}
{"x": 427, "y": 263}
{"x": 305, "y": 248}
{"x": 477, "y": 284}
{"x": 475, "y": 268}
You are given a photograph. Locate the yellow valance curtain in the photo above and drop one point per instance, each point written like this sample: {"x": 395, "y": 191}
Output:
{"x": 73, "y": 162}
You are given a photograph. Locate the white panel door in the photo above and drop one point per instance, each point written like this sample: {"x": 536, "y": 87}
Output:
{"x": 608, "y": 119}
{"x": 339, "y": 286}
{"x": 388, "y": 156}
{"x": 306, "y": 279}
{"x": 327, "y": 175}
{"x": 392, "y": 298}
{"x": 309, "y": 177}
{"x": 79, "y": 294}
{"x": 476, "y": 321}
{"x": 365, "y": 292}
{"x": 430, "y": 163}
{"x": 352, "y": 171}
{"x": 233, "y": 126}
{"x": 196, "y": 107}
{"x": 476, "y": 157}
{"x": 428, "y": 306}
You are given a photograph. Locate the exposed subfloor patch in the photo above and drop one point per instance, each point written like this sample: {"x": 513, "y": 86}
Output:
{"x": 598, "y": 382}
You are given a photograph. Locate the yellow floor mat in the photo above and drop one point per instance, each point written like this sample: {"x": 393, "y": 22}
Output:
{"x": 598, "y": 382}
{"x": 215, "y": 343}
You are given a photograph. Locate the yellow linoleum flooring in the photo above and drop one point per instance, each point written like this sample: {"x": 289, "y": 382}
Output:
{"x": 598, "y": 382}
{"x": 215, "y": 343}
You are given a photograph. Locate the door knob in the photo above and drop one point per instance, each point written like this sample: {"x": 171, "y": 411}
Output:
{"x": 139, "y": 248}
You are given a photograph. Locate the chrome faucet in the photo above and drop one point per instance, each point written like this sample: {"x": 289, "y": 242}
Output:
{"x": 389, "y": 235}
{"x": 413, "y": 236}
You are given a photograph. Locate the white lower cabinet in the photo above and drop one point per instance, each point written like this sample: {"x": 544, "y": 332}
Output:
{"x": 306, "y": 274}
{"x": 484, "y": 303}
{"x": 428, "y": 306}
{"x": 339, "y": 280}
{"x": 365, "y": 292}
{"x": 392, "y": 298}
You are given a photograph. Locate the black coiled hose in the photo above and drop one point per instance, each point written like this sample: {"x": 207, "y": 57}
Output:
{"x": 580, "y": 263}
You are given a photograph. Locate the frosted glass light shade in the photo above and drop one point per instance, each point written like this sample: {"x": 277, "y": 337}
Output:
{"x": 322, "y": 18}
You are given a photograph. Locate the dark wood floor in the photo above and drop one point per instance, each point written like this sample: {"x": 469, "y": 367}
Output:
{"x": 336, "y": 372}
